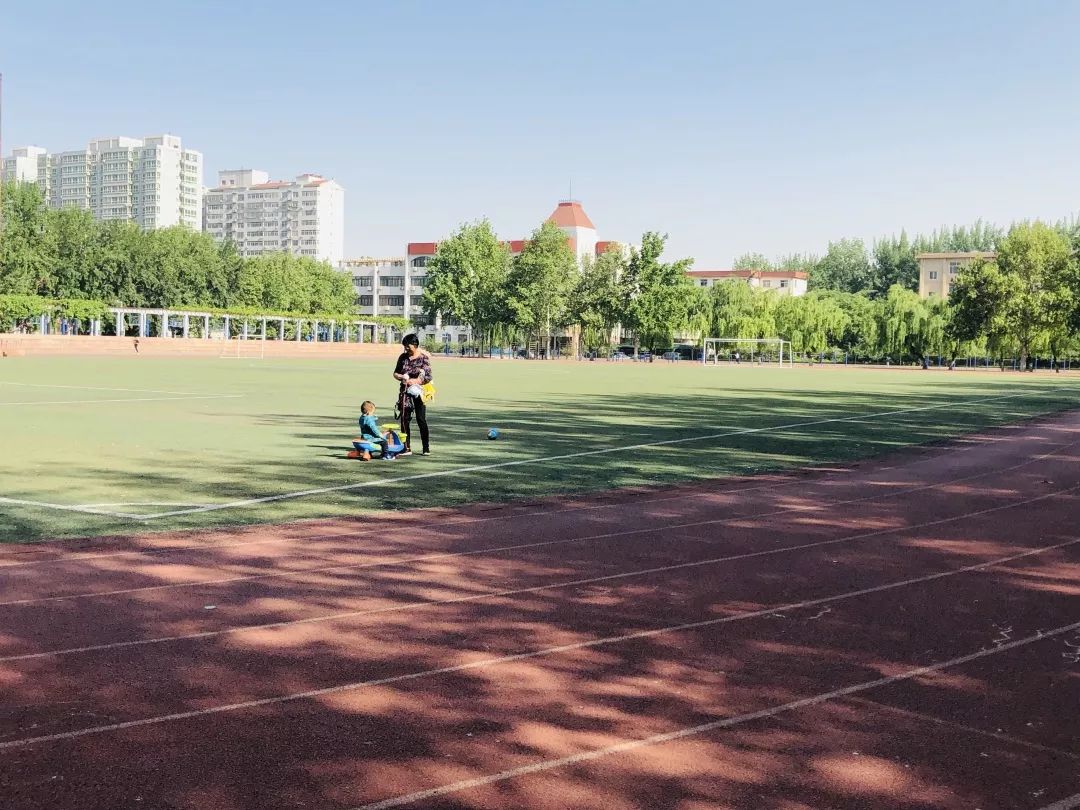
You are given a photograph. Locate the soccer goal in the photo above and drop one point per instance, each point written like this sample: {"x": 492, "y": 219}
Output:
{"x": 239, "y": 348}
{"x": 755, "y": 350}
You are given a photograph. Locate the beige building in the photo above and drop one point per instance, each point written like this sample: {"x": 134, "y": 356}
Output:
{"x": 938, "y": 271}
{"x": 784, "y": 282}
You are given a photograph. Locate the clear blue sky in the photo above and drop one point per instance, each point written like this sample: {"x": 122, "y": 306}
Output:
{"x": 732, "y": 126}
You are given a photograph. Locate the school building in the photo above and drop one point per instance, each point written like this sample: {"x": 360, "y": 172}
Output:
{"x": 938, "y": 271}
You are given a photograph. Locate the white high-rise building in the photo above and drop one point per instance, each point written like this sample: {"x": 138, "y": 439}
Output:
{"x": 154, "y": 181}
{"x": 305, "y": 216}
{"x": 22, "y": 165}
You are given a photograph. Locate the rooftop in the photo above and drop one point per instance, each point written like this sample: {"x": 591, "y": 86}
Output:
{"x": 570, "y": 214}
{"x": 959, "y": 254}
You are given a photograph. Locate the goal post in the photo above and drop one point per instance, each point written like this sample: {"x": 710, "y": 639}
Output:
{"x": 239, "y": 348}
{"x": 752, "y": 350}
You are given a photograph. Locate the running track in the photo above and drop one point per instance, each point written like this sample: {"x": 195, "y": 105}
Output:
{"x": 900, "y": 634}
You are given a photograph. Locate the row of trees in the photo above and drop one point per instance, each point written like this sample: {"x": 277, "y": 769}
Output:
{"x": 65, "y": 254}
{"x": 1027, "y": 300}
{"x": 849, "y": 265}
{"x": 543, "y": 290}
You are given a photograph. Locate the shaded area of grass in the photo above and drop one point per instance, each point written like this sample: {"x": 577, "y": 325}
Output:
{"x": 289, "y": 427}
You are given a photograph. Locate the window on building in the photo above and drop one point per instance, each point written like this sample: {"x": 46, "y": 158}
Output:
{"x": 417, "y": 300}
{"x": 418, "y": 281}
{"x": 420, "y": 261}
{"x": 954, "y": 268}
{"x": 391, "y": 300}
{"x": 393, "y": 281}
{"x": 366, "y": 300}
{"x": 784, "y": 282}
{"x": 704, "y": 282}
{"x": 766, "y": 282}
{"x": 933, "y": 275}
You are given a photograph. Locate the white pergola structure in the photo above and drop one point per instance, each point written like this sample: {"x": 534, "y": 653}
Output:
{"x": 168, "y": 320}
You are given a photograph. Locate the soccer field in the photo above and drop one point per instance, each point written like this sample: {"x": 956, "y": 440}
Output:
{"x": 95, "y": 446}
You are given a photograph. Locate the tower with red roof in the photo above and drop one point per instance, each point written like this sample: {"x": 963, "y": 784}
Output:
{"x": 575, "y": 223}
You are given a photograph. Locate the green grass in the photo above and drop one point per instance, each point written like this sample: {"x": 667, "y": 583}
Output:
{"x": 285, "y": 427}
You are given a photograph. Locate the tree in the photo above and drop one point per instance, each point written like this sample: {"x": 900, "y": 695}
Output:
{"x": 813, "y": 323}
{"x": 540, "y": 280}
{"x": 77, "y": 271}
{"x": 895, "y": 263}
{"x": 594, "y": 305}
{"x": 752, "y": 261}
{"x": 903, "y": 316}
{"x": 1025, "y": 295}
{"x": 845, "y": 267}
{"x": 737, "y": 310}
{"x": 467, "y": 278}
{"x": 27, "y": 254}
{"x": 655, "y": 297}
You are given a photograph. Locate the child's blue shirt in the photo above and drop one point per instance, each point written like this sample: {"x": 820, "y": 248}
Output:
{"x": 369, "y": 426}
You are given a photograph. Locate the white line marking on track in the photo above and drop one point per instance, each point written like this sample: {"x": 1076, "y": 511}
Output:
{"x": 541, "y": 653}
{"x": 1065, "y": 804}
{"x": 563, "y": 457}
{"x": 714, "y": 725}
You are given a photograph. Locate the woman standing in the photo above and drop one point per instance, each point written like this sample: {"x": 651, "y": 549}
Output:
{"x": 413, "y": 369}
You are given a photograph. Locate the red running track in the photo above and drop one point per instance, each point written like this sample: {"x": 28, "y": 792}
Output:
{"x": 898, "y": 634}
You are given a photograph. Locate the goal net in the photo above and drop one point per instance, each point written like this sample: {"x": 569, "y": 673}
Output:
{"x": 239, "y": 348}
{"x": 754, "y": 350}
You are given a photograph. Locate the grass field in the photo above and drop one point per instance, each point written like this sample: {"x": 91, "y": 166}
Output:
{"x": 95, "y": 446}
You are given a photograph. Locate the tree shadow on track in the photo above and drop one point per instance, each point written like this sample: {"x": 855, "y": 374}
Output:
{"x": 410, "y": 732}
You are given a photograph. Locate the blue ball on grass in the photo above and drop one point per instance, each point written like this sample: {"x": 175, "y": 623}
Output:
{"x": 493, "y": 434}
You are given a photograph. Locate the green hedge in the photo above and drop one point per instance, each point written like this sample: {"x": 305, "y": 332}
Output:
{"x": 14, "y": 308}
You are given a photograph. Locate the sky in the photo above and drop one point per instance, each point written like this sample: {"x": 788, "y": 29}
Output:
{"x": 773, "y": 127}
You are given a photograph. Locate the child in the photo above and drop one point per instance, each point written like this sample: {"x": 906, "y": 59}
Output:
{"x": 373, "y": 438}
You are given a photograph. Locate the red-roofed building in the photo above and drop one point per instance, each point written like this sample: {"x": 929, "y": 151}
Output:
{"x": 403, "y": 293}
{"x": 785, "y": 282}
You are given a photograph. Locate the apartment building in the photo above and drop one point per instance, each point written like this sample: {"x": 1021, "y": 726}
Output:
{"x": 22, "y": 165}
{"x": 154, "y": 181}
{"x": 305, "y": 216}
{"x": 785, "y": 282}
{"x": 938, "y": 271}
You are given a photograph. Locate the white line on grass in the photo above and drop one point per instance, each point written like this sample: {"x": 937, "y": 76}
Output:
{"x": 722, "y": 723}
{"x": 562, "y": 457}
{"x": 127, "y": 399}
{"x": 67, "y": 507}
{"x": 544, "y": 652}
{"x": 554, "y": 512}
{"x": 98, "y": 388}
{"x": 355, "y": 614}
{"x": 138, "y": 503}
